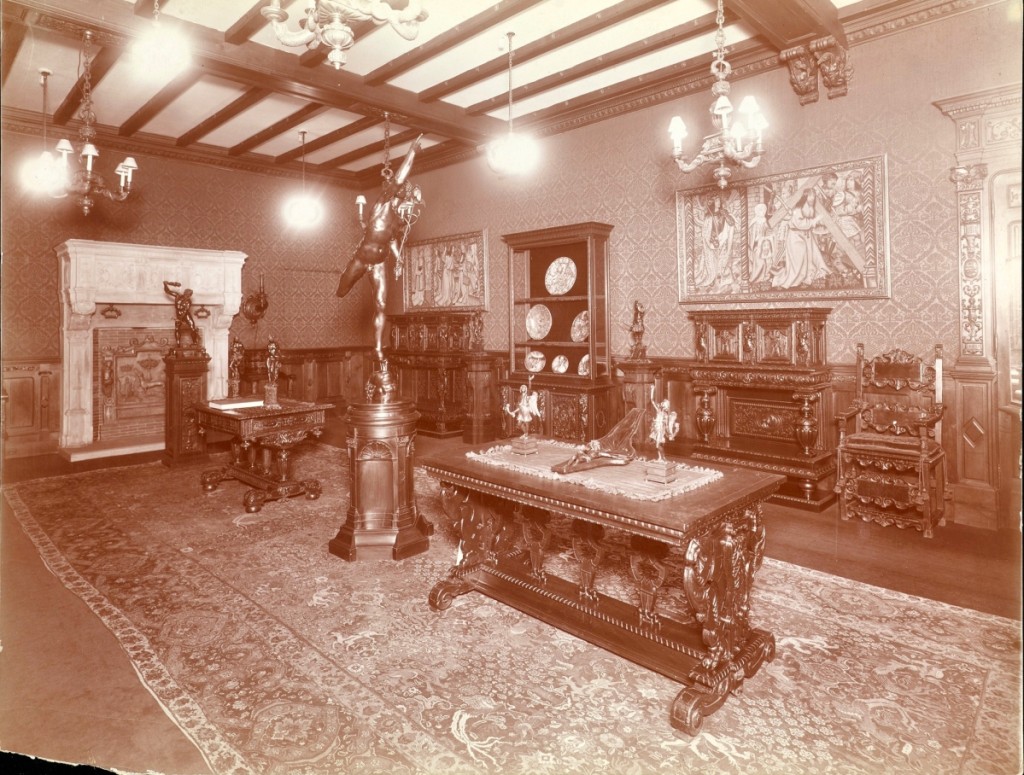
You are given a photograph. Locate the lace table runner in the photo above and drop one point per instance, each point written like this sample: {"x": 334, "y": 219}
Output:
{"x": 627, "y": 481}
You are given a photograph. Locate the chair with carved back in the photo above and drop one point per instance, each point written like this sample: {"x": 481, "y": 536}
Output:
{"x": 891, "y": 468}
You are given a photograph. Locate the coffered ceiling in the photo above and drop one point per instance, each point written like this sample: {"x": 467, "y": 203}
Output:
{"x": 245, "y": 97}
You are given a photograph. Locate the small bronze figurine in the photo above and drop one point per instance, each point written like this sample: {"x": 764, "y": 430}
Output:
{"x": 664, "y": 426}
{"x": 273, "y": 362}
{"x": 527, "y": 408}
{"x": 183, "y": 320}
{"x": 638, "y": 350}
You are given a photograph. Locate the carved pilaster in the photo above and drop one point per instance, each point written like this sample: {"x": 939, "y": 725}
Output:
{"x": 986, "y": 146}
{"x": 969, "y": 182}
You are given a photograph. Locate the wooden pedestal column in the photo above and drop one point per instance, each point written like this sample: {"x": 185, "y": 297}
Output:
{"x": 185, "y": 370}
{"x": 638, "y": 378}
{"x": 382, "y": 515}
{"x": 480, "y": 424}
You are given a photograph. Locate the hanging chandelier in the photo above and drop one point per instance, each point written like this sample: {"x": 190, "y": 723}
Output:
{"x": 512, "y": 154}
{"x": 160, "y": 52}
{"x": 328, "y": 23}
{"x": 737, "y": 142}
{"x": 56, "y": 177}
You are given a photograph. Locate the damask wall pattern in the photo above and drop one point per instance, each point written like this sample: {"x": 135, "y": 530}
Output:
{"x": 619, "y": 171}
{"x": 191, "y": 206}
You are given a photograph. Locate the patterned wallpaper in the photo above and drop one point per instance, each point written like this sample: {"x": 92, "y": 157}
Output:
{"x": 618, "y": 171}
{"x": 190, "y": 206}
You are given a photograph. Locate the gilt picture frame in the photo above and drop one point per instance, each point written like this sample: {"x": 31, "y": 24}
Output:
{"x": 817, "y": 233}
{"x": 446, "y": 273}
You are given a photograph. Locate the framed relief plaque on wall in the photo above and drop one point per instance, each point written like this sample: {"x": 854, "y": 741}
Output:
{"x": 446, "y": 273}
{"x": 819, "y": 233}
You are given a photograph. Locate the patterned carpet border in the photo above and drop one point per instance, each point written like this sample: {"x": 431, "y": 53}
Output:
{"x": 277, "y": 658}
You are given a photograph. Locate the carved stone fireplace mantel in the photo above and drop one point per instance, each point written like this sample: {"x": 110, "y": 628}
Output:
{"x": 107, "y": 285}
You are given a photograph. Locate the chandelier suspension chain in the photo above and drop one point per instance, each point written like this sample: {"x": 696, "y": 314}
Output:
{"x": 510, "y": 36}
{"x": 385, "y": 171}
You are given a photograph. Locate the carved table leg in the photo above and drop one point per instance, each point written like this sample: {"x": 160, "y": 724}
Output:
{"x": 478, "y": 527}
{"x": 536, "y": 532}
{"x": 588, "y": 551}
{"x": 717, "y": 578}
{"x": 648, "y": 570}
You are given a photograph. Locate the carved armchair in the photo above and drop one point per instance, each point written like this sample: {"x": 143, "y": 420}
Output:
{"x": 891, "y": 468}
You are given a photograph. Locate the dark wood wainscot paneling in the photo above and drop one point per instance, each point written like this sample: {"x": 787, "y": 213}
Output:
{"x": 326, "y": 375}
{"x": 427, "y": 355}
{"x": 763, "y": 398}
{"x": 31, "y": 407}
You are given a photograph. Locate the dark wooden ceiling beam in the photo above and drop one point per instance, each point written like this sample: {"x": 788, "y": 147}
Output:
{"x": 563, "y": 37}
{"x": 304, "y": 113}
{"x": 249, "y": 23}
{"x": 157, "y": 103}
{"x": 102, "y": 61}
{"x": 691, "y": 29}
{"x": 784, "y": 25}
{"x": 366, "y": 150}
{"x": 330, "y": 138}
{"x": 13, "y": 36}
{"x": 460, "y": 33}
{"x": 143, "y": 8}
{"x": 222, "y": 116}
{"x": 695, "y": 72}
{"x": 255, "y": 65}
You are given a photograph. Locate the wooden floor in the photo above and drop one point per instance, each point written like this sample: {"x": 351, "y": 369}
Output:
{"x": 962, "y": 566}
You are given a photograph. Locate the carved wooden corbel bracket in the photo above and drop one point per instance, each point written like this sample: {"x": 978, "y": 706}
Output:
{"x": 824, "y": 56}
{"x": 834, "y": 65}
{"x": 803, "y": 73}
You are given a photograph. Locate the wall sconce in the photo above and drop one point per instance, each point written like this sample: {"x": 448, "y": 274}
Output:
{"x": 254, "y": 306}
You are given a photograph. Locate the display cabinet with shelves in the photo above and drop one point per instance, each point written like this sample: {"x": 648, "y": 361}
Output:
{"x": 558, "y": 329}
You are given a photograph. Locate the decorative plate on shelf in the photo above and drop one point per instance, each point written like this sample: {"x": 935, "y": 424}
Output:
{"x": 580, "y": 327}
{"x": 560, "y": 276}
{"x": 535, "y": 360}
{"x": 560, "y": 364}
{"x": 584, "y": 368}
{"x": 538, "y": 321}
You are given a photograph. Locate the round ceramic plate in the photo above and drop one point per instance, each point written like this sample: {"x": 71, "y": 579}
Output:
{"x": 538, "y": 321}
{"x": 560, "y": 364}
{"x": 561, "y": 276}
{"x": 535, "y": 360}
{"x": 584, "y": 368}
{"x": 580, "y": 327}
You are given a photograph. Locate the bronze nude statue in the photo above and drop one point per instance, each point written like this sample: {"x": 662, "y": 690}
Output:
{"x": 384, "y": 235}
{"x": 183, "y": 320}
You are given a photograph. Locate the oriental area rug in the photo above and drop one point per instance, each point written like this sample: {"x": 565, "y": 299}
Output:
{"x": 278, "y": 658}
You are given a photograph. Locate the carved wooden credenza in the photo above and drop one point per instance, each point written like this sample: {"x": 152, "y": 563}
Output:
{"x": 426, "y": 354}
{"x": 764, "y": 398}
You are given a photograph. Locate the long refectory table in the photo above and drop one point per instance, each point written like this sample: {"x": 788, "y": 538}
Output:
{"x": 505, "y": 521}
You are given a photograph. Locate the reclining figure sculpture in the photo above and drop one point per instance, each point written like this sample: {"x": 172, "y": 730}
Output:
{"x": 615, "y": 448}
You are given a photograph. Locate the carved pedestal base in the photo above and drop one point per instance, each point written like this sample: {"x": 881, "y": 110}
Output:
{"x": 382, "y": 517}
{"x": 524, "y": 445}
{"x": 270, "y": 396}
{"x": 185, "y": 370}
{"x": 661, "y": 471}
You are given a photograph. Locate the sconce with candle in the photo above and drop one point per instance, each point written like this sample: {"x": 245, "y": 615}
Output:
{"x": 254, "y": 305}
